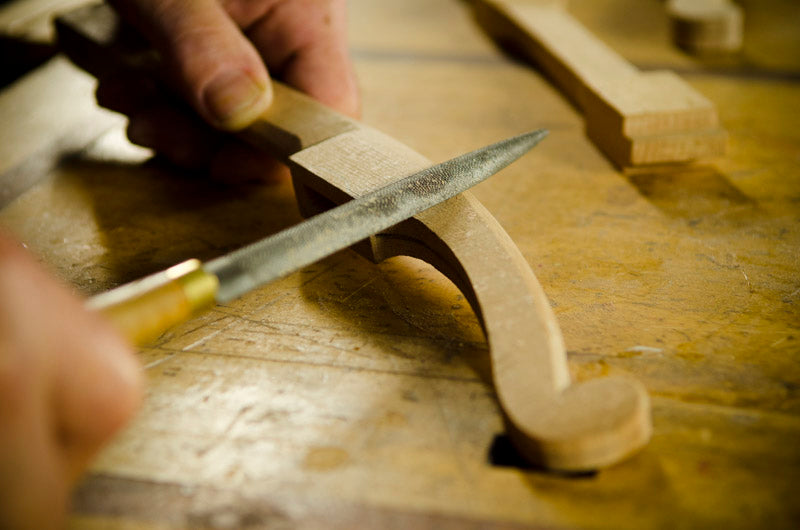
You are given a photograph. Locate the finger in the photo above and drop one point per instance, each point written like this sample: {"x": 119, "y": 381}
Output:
{"x": 33, "y": 485}
{"x": 304, "y": 42}
{"x": 128, "y": 93}
{"x": 67, "y": 385}
{"x": 213, "y": 64}
{"x": 186, "y": 142}
{"x": 98, "y": 380}
{"x": 158, "y": 122}
{"x": 178, "y": 136}
{"x": 236, "y": 162}
{"x": 100, "y": 388}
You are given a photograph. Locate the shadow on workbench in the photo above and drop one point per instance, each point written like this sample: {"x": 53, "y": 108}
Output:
{"x": 690, "y": 192}
{"x": 151, "y": 216}
{"x": 408, "y": 302}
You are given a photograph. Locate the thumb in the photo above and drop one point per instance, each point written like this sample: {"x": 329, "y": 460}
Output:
{"x": 213, "y": 64}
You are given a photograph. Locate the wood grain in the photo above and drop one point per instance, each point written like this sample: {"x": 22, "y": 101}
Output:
{"x": 706, "y": 26}
{"x": 635, "y": 118}
{"x": 554, "y": 424}
{"x": 360, "y": 395}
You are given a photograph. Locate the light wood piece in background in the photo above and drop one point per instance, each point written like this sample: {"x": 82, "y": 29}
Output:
{"x": 706, "y": 26}
{"x": 634, "y": 117}
{"x": 32, "y": 20}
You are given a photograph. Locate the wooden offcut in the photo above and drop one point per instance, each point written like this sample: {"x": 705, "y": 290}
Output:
{"x": 634, "y": 117}
{"x": 706, "y": 26}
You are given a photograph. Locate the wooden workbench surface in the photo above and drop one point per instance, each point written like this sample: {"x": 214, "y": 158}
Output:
{"x": 352, "y": 395}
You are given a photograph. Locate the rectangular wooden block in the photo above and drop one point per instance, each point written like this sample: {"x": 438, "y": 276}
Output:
{"x": 635, "y": 117}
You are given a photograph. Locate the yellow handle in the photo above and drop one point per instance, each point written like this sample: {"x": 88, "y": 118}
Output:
{"x": 144, "y": 309}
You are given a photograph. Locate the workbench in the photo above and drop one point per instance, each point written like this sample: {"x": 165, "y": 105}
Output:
{"x": 355, "y": 395}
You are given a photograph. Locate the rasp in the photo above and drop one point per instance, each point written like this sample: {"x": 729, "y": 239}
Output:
{"x": 144, "y": 309}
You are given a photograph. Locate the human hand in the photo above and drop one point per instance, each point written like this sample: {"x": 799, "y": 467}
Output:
{"x": 220, "y": 55}
{"x": 67, "y": 383}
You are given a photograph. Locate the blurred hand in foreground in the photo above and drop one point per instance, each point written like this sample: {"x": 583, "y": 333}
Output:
{"x": 68, "y": 382}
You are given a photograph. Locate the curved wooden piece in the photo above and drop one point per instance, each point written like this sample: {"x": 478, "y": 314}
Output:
{"x": 554, "y": 423}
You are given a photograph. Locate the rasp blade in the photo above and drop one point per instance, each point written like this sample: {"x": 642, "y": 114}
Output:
{"x": 355, "y": 220}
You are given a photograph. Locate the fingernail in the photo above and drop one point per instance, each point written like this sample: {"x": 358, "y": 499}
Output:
{"x": 234, "y": 99}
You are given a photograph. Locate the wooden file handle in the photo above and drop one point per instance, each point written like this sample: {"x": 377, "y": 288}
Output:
{"x": 143, "y": 310}
{"x": 553, "y": 422}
